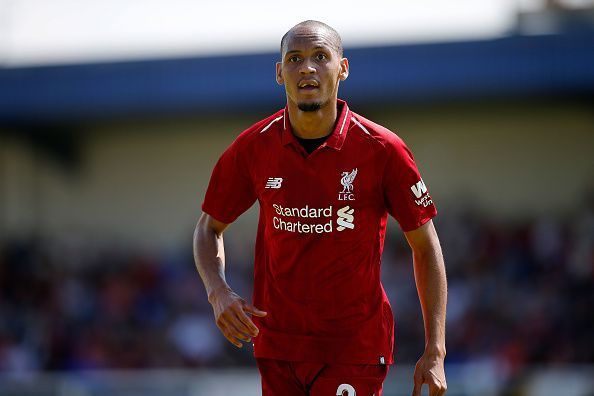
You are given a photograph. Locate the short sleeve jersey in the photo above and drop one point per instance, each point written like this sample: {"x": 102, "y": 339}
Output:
{"x": 321, "y": 233}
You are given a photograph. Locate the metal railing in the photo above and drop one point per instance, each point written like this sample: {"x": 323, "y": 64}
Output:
{"x": 483, "y": 379}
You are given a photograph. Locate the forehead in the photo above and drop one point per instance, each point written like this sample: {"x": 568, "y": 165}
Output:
{"x": 306, "y": 38}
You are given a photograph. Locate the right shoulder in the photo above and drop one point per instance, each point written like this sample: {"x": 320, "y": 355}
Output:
{"x": 254, "y": 132}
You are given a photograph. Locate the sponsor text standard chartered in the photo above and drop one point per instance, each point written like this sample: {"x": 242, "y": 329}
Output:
{"x": 345, "y": 219}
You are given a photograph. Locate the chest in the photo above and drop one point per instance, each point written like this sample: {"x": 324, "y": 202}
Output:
{"x": 325, "y": 177}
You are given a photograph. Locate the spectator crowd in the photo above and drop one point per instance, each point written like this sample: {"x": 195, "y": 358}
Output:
{"x": 519, "y": 294}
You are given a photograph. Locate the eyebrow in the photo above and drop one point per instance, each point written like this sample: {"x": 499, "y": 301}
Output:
{"x": 319, "y": 47}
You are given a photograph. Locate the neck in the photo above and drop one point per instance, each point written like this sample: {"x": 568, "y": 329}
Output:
{"x": 313, "y": 124}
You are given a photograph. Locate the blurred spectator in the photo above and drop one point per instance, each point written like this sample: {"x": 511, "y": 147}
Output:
{"x": 520, "y": 294}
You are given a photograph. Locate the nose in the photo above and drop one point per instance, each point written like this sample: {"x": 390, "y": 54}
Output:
{"x": 307, "y": 68}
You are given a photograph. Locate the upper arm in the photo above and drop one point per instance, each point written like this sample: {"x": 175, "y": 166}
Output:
{"x": 207, "y": 222}
{"x": 405, "y": 194}
{"x": 423, "y": 239}
{"x": 231, "y": 190}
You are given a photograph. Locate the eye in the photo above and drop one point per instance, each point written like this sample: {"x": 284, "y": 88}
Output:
{"x": 321, "y": 56}
{"x": 293, "y": 58}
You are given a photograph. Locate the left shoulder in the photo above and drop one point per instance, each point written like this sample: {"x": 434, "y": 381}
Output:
{"x": 388, "y": 139}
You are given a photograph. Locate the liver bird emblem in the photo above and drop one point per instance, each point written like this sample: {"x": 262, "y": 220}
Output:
{"x": 347, "y": 180}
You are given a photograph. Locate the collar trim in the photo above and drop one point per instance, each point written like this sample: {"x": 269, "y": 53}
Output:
{"x": 337, "y": 136}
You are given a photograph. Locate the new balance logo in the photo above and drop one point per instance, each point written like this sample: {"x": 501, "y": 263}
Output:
{"x": 419, "y": 188}
{"x": 274, "y": 182}
{"x": 345, "y": 218}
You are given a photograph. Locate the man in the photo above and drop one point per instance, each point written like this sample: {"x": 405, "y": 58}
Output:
{"x": 326, "y": 179}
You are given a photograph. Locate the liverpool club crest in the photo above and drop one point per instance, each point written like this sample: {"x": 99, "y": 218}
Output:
{"x": 347, "y": 180}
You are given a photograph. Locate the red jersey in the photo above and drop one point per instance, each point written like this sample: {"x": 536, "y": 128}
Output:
{"x": 321, "y": 233}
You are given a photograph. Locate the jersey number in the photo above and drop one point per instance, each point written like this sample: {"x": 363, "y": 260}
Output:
{"x": 346, "y": 390}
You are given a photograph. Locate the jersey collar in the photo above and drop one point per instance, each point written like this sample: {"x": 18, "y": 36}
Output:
{"x": 336, "y": 138}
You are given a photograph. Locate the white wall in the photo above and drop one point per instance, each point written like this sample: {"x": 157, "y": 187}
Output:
{"x": 142, "y": 182}
{"x": 509, "y": 159}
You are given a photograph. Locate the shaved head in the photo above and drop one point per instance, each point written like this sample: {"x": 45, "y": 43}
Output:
{"x": 306, "y": 28}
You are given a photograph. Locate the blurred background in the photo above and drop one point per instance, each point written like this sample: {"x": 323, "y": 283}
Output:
{"x": 113, "y": 113}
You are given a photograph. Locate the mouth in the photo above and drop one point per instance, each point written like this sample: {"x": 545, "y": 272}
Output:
{"x": 308, "y": 85}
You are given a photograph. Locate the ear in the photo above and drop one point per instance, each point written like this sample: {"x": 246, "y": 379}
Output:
{"x": 279, "y": 74}
{"x": 344, "y": 69}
